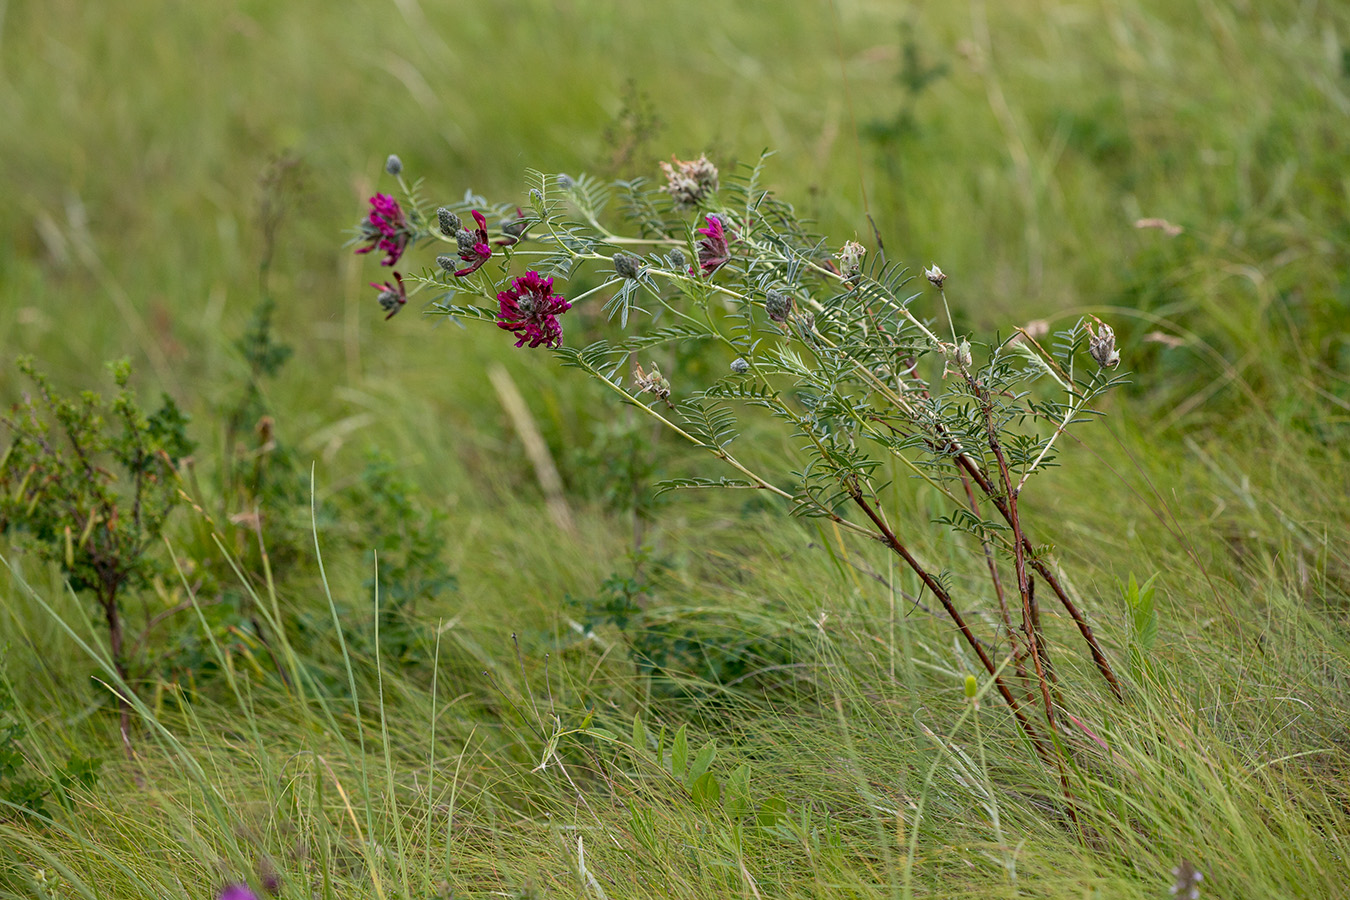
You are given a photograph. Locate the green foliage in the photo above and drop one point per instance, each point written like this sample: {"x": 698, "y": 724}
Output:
{"x": 694, "y": 653}
{"x": 1143, "y": 627}
{"x": 89, "y": 487}
{"x": 131, "y": 187}
{"x": 21, "y": 791}
{"x": 409, "y": 543}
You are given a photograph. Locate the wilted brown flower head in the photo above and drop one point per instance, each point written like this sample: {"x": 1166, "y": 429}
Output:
{"x": 689, "y": 182}
{"x": 1102, "y": 346}
{"x": 652, "y": 382}
{"x": 850, "y": 258}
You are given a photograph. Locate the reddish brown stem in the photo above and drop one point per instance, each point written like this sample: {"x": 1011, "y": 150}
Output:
{"x": 997, "y": 581}
{"x": 941, "y": 593}
{"x": 1036, "y": 634}
{"x": 1001, "y": 504}
{"x": 114, "y": 618}
{"x": 1019, "y": 562}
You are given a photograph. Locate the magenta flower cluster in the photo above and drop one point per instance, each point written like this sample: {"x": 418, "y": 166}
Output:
{"x": 386, "y": 229}
{"x": 530, "y": 309}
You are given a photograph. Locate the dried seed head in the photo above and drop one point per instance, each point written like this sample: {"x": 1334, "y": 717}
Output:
{"x": 739, "y": 366}
{"x": 850, "y": 259}
{"x": 653, "y": 382}
{"x": 449, "y": 222}
{"x": 1102, "y": 346}
{"x": 778, "y": 306}
{"x": 935, "y": 275}
{"x": 689, "y": 182}
{"x": 393, "y": 165}
{"x": 626, "y": 266}
{"x": 1186, "y": 884}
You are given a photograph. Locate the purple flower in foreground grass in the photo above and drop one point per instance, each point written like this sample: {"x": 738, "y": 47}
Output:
{"x": 712, "y": 247}
{"x": 385, "y": 229}
{"x": 473, "y": 246}
{"x": 531, "y": 310}
{"x": 392, "y": 297}
{"x": 237, "y": 892}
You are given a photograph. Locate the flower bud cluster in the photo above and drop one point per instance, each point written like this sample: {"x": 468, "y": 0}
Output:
{"x": 778, "y": 306}
{"x": 626, "y": 265}
{"x": 449, "y": 222}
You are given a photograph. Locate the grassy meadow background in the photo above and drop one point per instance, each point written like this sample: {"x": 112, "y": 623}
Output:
{"x": 143, "y": 147}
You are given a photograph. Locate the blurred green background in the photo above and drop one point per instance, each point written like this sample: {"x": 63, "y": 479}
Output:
{"x": 146, "y": 146}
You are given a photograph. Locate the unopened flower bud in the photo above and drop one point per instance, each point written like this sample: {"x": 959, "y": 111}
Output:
{"x": 850, "y": 259}
{"x": 388, "y": 300}
{"x": 450, "y": 224}
{"x": 678, "y": 260}
{"x": 565, "y": 182}
{"x": 740, "y": 366}
{"x": 972, "y": 687}
{"x": 778, "y": 306}
{"x": 935, "y": 276}
{"x": 1102, "y": 346}
{"x": 465, "y": 239}
{"x": 448, "y": 263}
{"x": 626, "y": 266}
{"x": 535, "y": 196}
{"x": 393, "y": 165}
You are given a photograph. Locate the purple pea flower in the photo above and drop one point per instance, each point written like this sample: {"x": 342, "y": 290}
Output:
{"x": 385, "y": 229}
{"x": 713, "y": 252}
{"x": 237, "y": 892}
{"x": 473, "y": 246}
{"x": 392, "y": 297}
{"x": 530, "y": 309}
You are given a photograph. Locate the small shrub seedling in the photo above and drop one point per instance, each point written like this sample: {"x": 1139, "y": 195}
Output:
{"x": 89, "y": 486}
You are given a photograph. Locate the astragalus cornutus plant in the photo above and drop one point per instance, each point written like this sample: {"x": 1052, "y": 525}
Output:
{"x": 861, "y": 365}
